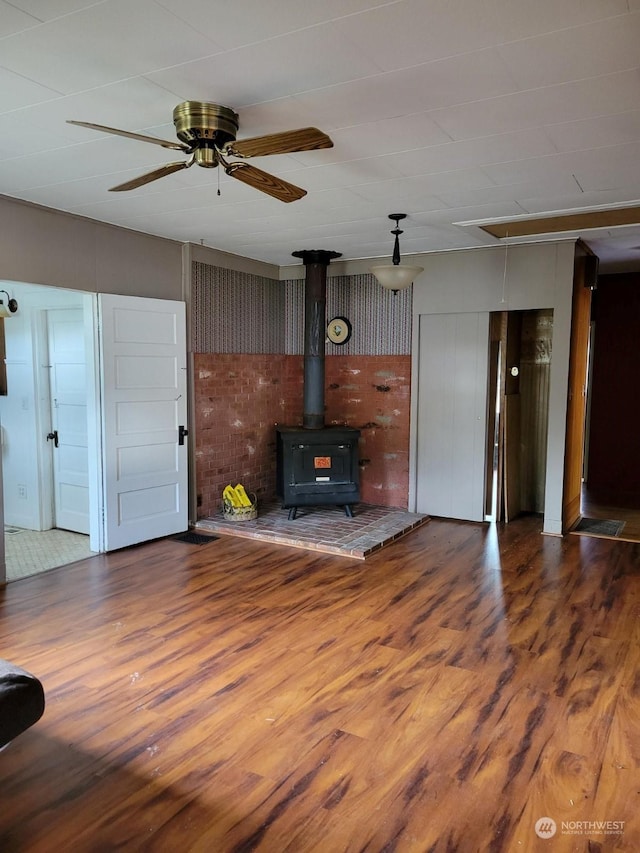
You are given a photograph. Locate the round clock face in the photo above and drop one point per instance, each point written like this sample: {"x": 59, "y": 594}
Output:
{"x": 339, "y": 330}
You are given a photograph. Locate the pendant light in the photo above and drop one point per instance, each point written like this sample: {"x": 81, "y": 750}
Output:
{"x": 394, "y": 276}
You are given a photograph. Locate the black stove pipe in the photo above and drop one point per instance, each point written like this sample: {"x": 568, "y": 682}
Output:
{"x": 316, "y": 262}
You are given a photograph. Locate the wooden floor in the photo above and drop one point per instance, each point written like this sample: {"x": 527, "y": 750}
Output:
{"x": 443, "y": 695}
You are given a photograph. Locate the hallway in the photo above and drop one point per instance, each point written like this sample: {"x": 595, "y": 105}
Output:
{"x": 631, "y": 517}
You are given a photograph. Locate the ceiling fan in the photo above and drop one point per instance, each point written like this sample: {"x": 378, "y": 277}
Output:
{"x": 207, "y": 134}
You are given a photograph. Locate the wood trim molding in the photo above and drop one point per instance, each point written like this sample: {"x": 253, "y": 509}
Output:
{"x": 568, "y": 222}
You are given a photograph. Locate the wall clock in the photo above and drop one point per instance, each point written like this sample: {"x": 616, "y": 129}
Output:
{"x": 339, "y": 330}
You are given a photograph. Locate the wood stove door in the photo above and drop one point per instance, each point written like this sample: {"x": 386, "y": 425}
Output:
{"x": 318, "y": 463}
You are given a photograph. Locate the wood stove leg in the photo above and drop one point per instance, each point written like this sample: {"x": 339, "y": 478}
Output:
{"x": 348, "y": 511}
{"x": 292, "y": 512}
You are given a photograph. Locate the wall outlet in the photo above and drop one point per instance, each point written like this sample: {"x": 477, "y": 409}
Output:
{"x": 22, "y": 492}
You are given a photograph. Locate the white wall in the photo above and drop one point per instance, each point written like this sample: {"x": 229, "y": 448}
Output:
{"x": 477, "y": 280}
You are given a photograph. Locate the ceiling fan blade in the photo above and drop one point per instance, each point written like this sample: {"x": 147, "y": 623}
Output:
{"x": 263, "y": 181}
{"x": 305, "y": 139}
{"x": 141, "y": 180}
{"x": 176, "y": 146}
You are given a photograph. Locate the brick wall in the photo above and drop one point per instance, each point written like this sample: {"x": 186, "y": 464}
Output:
{"x": 239, "y": 399}
{"x": 372, "y": 393}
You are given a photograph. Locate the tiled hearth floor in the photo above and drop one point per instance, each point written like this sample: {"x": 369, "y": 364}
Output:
{"x": 325, "y": 529}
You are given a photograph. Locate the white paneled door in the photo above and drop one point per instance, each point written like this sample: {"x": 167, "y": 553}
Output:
{"x": 144, "y": 398}
{"x": 68, "y": 436}
{"x": 452, "y": 415}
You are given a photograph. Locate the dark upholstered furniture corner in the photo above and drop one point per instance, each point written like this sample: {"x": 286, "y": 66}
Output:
{"x": 21, "y": 701}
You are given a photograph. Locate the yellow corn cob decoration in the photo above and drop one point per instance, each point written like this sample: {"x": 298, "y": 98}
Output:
{"x": 229, "y": 495}
{"x": 242, "y": 495}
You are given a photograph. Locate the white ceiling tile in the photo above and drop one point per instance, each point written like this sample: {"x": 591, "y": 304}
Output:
{"x": 47, "y": 10}
{"x": 249, "y": 21}
{"x": 423, "y": 188}
{"x": 119, "y": 160}
{"x": 274, "y": 116}
{"x": 71, "y": 196}
{"x": 406, "y": 34}
{"x": 519, "y": 19}
{"x": 408, "y": 91}
{"x": 76, "y": 52}
{"x": 430, "y": 107}
{"x": 13, "y": 20}
{"x": 360, "y": 102}
{"x": 257, "y": 73}
{"x": 135, "y": 104}
{"x": 402, "y": 133}
{"x": 613, "y": 93}
{"x": 18, "y": 91}
{"x": 595, "y": 172}
{"x": 488, "y": 150}
{"x": 576, "y": 201}
{"x": 600, "y": 168}
{"x": 356, "y": 173}
{"x": 21, "y": 135}
{"x": 507, "y": 194}
{"x": 458, "y": 80}
{"x": 581, "y": 52}
{"x": 466, "y": 213}
{"x": 542, "y": 169}
{"x": 596, "y": 132}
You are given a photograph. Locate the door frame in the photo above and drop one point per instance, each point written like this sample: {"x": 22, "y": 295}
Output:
{"x": 576, "y": 424}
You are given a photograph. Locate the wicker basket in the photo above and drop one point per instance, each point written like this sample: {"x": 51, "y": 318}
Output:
{"x": 240, "y": 513}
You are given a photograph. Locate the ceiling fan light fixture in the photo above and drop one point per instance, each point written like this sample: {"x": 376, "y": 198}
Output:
{"x": 394, "y": 276}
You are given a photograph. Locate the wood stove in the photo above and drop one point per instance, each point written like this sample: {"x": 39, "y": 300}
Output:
{"x": 316, "y": 465}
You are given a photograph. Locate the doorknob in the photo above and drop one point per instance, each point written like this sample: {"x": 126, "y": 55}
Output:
{"x": 181, "y": 434}
{"x": 53, "y": 436}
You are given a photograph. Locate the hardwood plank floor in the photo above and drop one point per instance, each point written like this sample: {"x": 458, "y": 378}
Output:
{"x": 443, "y": 695}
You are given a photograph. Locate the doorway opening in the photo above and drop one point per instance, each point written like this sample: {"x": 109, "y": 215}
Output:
{"x": 46, "y": 501}
{"x": 123, "y": 409}
{"x": 518, "y": 412}
{"x": 611, "y": 470}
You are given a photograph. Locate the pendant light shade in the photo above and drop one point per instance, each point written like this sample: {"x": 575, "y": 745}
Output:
{"x": 394, "y": 276}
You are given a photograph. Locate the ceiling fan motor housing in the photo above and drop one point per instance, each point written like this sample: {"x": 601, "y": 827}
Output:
{"x": 197, "y": 122}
